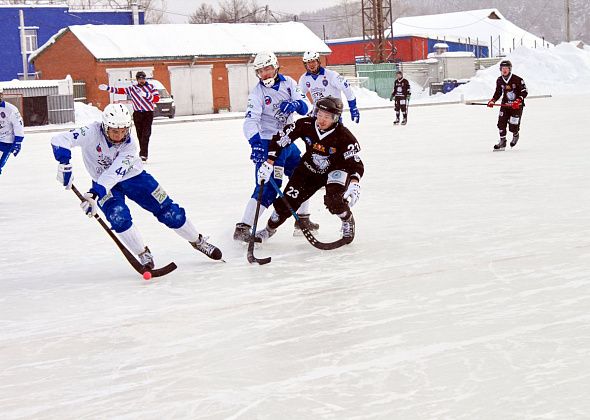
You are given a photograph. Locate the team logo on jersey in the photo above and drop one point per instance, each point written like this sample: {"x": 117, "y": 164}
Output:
{"x": 332, "y": 150}
{"x": 289, "y": 91}
{"x": 325, "y": 82}
{"x": 98, "y": 148}
{"x": 2, "y": 114}
{"x": 267, "y": 100}
{"x": 307, "y": 84}
{"x": 321, "y": 162}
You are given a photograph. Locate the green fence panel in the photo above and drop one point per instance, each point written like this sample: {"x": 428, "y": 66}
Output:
{"x": 380, "y": 77}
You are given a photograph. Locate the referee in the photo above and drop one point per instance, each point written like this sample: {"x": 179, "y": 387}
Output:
{"x": 143, "y": 97}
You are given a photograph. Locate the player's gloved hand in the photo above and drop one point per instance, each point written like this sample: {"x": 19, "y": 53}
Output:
{"x": 64, "y": 175}
{"x": 258, "y": 154}
{"x": 16, "y": 146}
{"x": 391, "y": 97}
{"x": 102, "y": 86}
{"x": 355, "y": 115}
{"x": 288, "y": 107}
{"x": 353, "y": 193}
{"x": 264, "y": 172}
{"x": 491, "y": 103}
{"x": 408, "y": 97}
{"x": 89, "y": 205}
{"x": 517, "y": 103}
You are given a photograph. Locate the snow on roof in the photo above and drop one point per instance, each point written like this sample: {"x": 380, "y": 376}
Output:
{"x": 112, "y": 42}
{"x": 29, "y": 84}
{"x": 478, "y": 25}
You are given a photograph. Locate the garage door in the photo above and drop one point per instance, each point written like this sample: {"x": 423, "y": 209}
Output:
{"x": 192, "y": 89}
{"x": 242, "y": 79}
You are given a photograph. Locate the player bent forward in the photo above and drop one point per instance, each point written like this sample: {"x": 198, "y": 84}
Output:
{"x": 112, "y": 160}
{"x": 331, "y": 159}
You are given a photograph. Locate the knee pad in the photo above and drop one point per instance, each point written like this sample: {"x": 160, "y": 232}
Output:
{"x": 503, "y": 133}
{"x": 172, "y": 215}
{"x": 119, "y": 217}
{"x": 335, "y": 203}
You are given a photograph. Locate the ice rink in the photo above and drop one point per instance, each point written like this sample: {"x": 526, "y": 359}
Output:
{"x": 465, "y": 295}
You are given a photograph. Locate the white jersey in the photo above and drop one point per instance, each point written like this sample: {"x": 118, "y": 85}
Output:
{"x": 107, "y": 163}
{"x": 325, "y": 83}
{"x": 11, "y": 123}
{"x": 263, "y": 114}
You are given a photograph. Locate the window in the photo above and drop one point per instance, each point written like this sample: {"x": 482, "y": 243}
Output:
{"x": 30, "y": 40}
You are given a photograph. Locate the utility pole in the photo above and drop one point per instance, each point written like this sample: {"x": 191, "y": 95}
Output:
{"x": 266, "y": 14}
{"x": 568, "y": 36}
{"x": 23, "y": 45}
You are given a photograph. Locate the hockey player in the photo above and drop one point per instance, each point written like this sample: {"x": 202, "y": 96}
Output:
{"x": 401, "y": 93}
{"x": 271, "y": 105}
{"x": 12, "y": 131}
{"x": 513, "y": 90}
{"x": 112, "y": 160}
{"x": 331, "y": 160}
{"x": 321, "y": 82}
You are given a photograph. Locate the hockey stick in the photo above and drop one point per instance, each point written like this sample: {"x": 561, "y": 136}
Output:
{"x": 4, "y": 158}
{"x": 326, "y": 246}
{"x": 252, "y": 240}
{"x": 484, "y": 103}
{"x": 156, "y": 272}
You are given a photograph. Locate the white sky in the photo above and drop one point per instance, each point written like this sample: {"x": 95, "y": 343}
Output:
{"x": 179, "y": 10}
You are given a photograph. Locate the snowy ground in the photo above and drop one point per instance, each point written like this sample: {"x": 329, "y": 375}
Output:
{"x": 465, "y": 295}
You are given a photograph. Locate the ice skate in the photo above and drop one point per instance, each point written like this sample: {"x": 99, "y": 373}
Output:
{"x": 306, "y": 223}
{"x": 206, "y": 248}
{"x": 146, "y": 259}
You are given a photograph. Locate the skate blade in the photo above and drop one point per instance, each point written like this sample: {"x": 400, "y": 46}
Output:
{"x": 500, "y": 149}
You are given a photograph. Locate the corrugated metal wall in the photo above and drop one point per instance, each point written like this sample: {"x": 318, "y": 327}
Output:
{"x": 61, "y": 109}
{"x": 381, "y": 77}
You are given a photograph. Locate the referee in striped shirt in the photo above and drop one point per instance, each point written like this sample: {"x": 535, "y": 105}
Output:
{"x": 143, "y": 97}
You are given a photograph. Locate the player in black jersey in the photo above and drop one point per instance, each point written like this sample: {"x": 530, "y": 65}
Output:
{"x": 401, "y": 93}
{"x": 512, "y": 89}
{"x": 331, "y": 159}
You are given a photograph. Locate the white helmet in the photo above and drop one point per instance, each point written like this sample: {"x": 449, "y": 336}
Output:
{"x": 264, "y": 59}
{"x": 310, "y": 56}
{"x": 116, "y": 116}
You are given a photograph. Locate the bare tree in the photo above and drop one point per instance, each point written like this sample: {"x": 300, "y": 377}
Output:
{"x": 205, "y": 13}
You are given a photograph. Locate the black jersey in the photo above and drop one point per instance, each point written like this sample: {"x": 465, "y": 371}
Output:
{"x": 335, "y": 149}
{"x": 401, "y": 88}
{"x": 510, "y": 89}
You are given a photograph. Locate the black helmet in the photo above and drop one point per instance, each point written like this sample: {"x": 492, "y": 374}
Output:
{"x": 330, "y": 104}
{"x": 140, "y": 74}
{"x": 505, "y": 63}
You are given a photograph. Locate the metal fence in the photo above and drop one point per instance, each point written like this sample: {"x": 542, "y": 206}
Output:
{"x": 380, "y": 77}
{"x": 61, "y": 109}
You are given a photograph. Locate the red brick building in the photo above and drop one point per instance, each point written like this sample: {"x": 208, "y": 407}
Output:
{"x": 205, "y": 67}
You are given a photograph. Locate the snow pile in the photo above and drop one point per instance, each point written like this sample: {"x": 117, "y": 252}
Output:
{"x": 85, "y": 114}
{"x": 562, "y": 70}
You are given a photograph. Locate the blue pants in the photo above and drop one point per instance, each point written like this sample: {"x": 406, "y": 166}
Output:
{"x": 5, "y": 149}
{"x": 147, "y": 193}
{"x": 288, "y": 161}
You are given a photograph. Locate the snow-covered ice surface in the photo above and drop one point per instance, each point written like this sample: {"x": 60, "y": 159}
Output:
{"x": 465, "y": 295}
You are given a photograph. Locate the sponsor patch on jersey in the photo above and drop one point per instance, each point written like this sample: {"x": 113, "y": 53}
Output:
{"x": 279, "y": 171}
{"x": 307, "y": 84}
{"x": 319, "y": 147}
{"x": 105, "y": 199}
{"x": 267, "y": 100}
{"x": 289, "y": 91}
{"x": 337, "y": 177}
{"x": 2, "y": 114}
{"x": 332, "y": 150}
{"x": 98, "y": 148}
{"x": 159, "y": 194}
{"x": 325, "y": 82}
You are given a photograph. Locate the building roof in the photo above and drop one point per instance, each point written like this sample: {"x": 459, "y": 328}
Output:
{"x": 477, "y": 25}
{"x": 118, "y": 42}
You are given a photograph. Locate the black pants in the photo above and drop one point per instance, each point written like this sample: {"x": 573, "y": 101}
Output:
{"x": 303, "y": 184}
{"x": 143, "y": 127}
{"x": 400, "y": 106}
{"x": 510, "y": 118}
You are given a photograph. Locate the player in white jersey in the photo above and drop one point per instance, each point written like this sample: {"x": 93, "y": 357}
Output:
{"x": 271, "y": 105}
{"x": 12, "y": 131}
{"x": 321, "y": 82}
{"x": 112, "y": 160}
